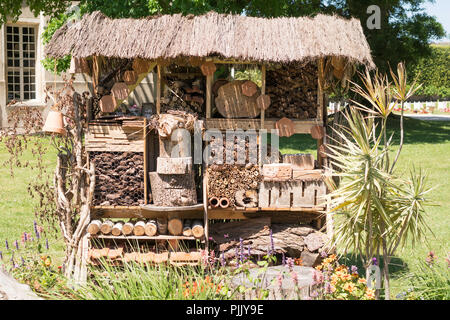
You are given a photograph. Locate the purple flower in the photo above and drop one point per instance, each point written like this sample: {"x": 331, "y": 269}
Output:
{"x": 314, "y": 294}
{"x": 374, "y": 261}
{"x": 280, "y": 280}
{"x": 46, "y": 244}
{"x": 241, "y": 250}
{"x": 38, "y": 235}
{"x": 294, "y": 278}
{"x": 1, "y": 255}
{"x": 328, "y": 288}
{"x": 354, "y": 270}
{"x": 35, "y": 227}
{"x": 23, "y": 261}
{"x": 222, "y": 259}
{"x": 290, "y": 264}
{"x": 226, "y": 236}
{"x": 249, "y": 251}
{"x": 283, "y": 259}
{"x": 6, "y": 245}
{"x": 16, "y": 244}
{"x": 324, "y": 254}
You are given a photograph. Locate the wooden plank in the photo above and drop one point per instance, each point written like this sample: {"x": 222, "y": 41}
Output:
{"x": 145, "y": 163}
{"x": 300, "y": 126}
{"x": 158, "y": 90}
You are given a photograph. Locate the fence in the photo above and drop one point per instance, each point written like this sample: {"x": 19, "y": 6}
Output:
{"x": 442, "y": 106}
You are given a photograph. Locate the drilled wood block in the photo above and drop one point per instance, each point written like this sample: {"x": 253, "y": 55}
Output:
{"x": 292, "y": 194}
{"x": 307, "y": 175}
{"x": 277, "y": 172}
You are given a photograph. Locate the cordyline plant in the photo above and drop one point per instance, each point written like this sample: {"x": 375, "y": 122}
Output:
{"x": 64, "y": 202}
{"x": 382, "y": 210}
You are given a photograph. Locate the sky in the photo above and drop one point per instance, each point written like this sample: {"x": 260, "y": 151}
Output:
{"x": 441, "y": 10}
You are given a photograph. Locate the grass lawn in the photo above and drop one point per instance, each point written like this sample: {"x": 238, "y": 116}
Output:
{"x": 427, "y": 146}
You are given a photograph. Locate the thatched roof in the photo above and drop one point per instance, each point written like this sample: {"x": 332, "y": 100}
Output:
{"x": 229, "y": 36}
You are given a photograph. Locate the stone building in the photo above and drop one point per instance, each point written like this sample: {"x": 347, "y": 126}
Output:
{"x": 22, "y": 75}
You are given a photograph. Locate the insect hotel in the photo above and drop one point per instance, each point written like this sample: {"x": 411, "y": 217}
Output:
{"x": 151, "y": 185}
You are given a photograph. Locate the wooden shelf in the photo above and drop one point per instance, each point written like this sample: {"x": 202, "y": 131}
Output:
{"x": 147, "y": 212}
{"x": 300, "y": 126}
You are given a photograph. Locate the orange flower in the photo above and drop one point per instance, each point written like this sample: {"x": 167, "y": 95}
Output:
{"x": 345, "y": 277}
{"x": 362, "y": 280}
{"x": 349, "y": 286}
{"x": 298, "y": 261}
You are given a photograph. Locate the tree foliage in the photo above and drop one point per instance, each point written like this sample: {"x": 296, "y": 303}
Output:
{"x": 434, "y": 73}
{"x": 12, "y": 9}
{"x": 404, "y": 35}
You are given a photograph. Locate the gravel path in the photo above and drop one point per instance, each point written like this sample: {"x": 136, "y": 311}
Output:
{"x": 426, "y": 117}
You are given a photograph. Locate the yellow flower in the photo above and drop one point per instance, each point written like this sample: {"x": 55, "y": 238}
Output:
{"x": 334, "y": 279}
{"x": 48, "y": 262}
{"x": 346, "y": 277}
{"x": 349, "y": 286}
{"x": 362, "y": 280}
{"x": 370, "y": 294}
{"x": 319, "y": 267}
{"x": 333, "y": 257}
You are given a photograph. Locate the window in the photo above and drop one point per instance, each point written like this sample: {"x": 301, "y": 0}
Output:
{"x": 21, "y": 62}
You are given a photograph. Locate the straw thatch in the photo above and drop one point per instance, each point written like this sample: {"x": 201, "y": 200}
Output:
{"x": 236, "y": 37}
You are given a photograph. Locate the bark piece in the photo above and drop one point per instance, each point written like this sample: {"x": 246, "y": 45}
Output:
{"x": 315, "y": 241}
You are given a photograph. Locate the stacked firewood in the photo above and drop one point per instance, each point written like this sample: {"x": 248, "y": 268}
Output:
{"x": 183, "y": 95}
{"x": 119, "y": 178}
{"x": 225, "y": 181}
{"x": 151, "y": 255}
{"x": 149, "y": 228}
{"x": 293, "y": 91}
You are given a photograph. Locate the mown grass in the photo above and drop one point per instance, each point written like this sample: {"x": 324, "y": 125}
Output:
{"x": 427, "y": 145}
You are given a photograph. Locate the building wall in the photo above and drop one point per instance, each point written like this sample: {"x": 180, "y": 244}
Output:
{"x": 144, "y": 93}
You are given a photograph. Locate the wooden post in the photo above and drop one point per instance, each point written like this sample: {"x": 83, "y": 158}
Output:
{"x": 320, "y": 102}
{"x": 263, "y": 112}
{"x": 158, "y": 89}
{"x": 145, "y": 163}
{"x": 209, "y": 81}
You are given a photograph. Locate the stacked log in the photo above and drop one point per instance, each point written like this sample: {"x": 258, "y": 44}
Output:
{"x": 226, "y": 180}
{"x": 293, "y": 91}
{"x": 150, "y": 227}
{"x": 290, "y": 240}
{"x": 184, "y": 95}
{"x": 119, "y": 178}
